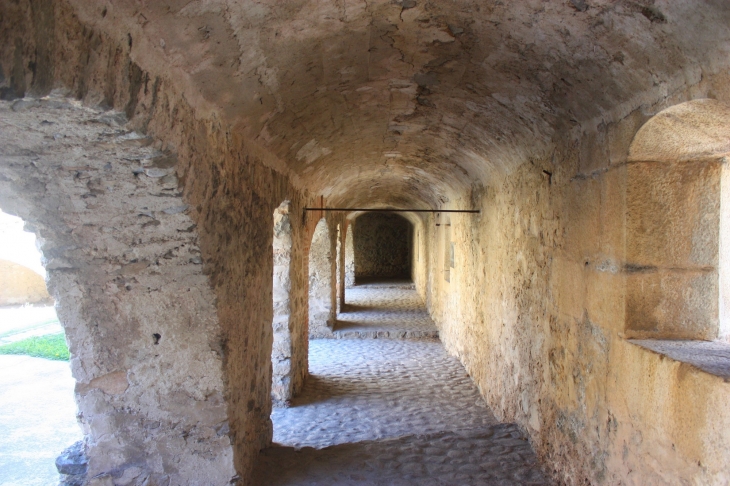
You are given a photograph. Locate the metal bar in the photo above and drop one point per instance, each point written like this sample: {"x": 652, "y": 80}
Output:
{"x": 398, "y": 210}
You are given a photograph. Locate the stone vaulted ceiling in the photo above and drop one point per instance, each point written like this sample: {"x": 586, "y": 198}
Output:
{"x": 373, "y": 102}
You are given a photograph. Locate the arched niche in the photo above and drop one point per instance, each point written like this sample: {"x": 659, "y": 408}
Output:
{"x": 675, "y": 216}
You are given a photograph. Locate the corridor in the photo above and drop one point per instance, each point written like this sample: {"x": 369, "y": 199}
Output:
{"x": 391, "y": 411}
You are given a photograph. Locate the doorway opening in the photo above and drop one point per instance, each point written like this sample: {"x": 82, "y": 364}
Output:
{"x": 37, "y": 406}
{"x": 382, "y": 246}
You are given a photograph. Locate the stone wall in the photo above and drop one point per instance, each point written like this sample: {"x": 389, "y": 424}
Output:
{"x": 382, "y": 245}
{"x": 321, "y": 283}
{"x": 290, "y": 342}
{"x": 125, "y": 268}
{"x": 158, "y": 236}
{"x": 156, "y": 221}
{"x": 537, "y": 308}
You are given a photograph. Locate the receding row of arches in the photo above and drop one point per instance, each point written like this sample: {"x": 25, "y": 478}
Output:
{"x": 639, "y": 248}
{"x": 364, "y": 247}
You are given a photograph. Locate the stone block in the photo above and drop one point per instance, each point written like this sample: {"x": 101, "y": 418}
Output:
{"x": 672, "y": 304}
{"x": 672, "y": 214}
{"x": 613, "y": 213}
{"x": 605, "y": 294}
{"x": 582, "y": 212}
{"x": 568, "y": 287}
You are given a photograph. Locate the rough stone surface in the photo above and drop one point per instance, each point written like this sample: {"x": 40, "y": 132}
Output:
{"x": 366, "y": 389}
{"x": 537, "y": 310}
{"x": 214, "y": 171}
{"x": 117, "y": 204}
{"x": 523, "y": 110}
{"x": 289, "y": 347}
{"x": 409, "y": 103}
{"x": 382, "y": 246}
{"x": 321, "y": 288}
{"x": 384, "y": 310}
{"x": 72, "y": 464}
{"x": 493, "y": 455}
{"x": 391, "y": 411}
{"x": 349, "y": 257}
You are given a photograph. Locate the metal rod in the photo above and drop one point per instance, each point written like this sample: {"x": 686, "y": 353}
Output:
{"x": 398, "y": 210}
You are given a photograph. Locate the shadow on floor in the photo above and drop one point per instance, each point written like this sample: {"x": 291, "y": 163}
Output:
{"x": 318, "y": 389}
{"x": 497, "y": 455}
{"x": 384, "y": 282}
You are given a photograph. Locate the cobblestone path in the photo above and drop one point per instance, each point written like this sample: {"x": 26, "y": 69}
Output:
{"x": 391, "y": 412}
{"x": 382, "y": 310}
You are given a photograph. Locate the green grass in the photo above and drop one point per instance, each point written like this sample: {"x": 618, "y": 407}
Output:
{"x": 51, "y": 346}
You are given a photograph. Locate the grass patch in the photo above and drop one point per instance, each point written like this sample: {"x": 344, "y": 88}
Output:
{"x": 51, "y": 346}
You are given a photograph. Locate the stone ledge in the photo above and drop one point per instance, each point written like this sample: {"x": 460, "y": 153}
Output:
{"x": 709, "y": 356}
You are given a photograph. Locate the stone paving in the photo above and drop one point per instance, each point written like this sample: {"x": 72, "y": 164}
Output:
{"x": 391, "y": 412}
{"x": 380, "y": 309}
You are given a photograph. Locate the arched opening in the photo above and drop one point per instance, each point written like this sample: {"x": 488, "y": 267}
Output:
{"x": 382, "y": 247}
{"x": 321, "y": 311}
{"x": 281, "y": 351}
{"x": 37, "y": 407}
{"x": 677, "y": 225}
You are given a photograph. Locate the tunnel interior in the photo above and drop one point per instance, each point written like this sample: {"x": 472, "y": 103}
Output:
{"x": 382, "y": 246}
{"x": 202, "y": 173}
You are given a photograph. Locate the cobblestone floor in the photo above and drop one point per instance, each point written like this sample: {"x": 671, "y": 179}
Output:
{"x": 391, "y": 412}
{"x": 383, "y": 310}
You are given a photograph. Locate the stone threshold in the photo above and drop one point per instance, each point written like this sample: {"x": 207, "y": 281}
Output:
{"x": 383, "y": 334}
{"x": 712, "y": 357}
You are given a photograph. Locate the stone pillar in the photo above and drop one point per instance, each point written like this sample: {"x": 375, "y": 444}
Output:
{"x": 127, "y": 275}
{"x": 320, "y": 281}
{"x": 281, "y": 354}
{"x": 349, "y": 257}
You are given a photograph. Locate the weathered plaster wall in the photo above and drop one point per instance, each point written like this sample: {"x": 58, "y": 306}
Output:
{"x": 536, "y": 308}
{"x": 181, "y": 246}
{"x": 382, "y": 245}
{"x": 21, "y": 285}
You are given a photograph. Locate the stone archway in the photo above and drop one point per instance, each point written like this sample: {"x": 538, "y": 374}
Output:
{"x": 321, "y": 311}
{"x": 677, "y": 225}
